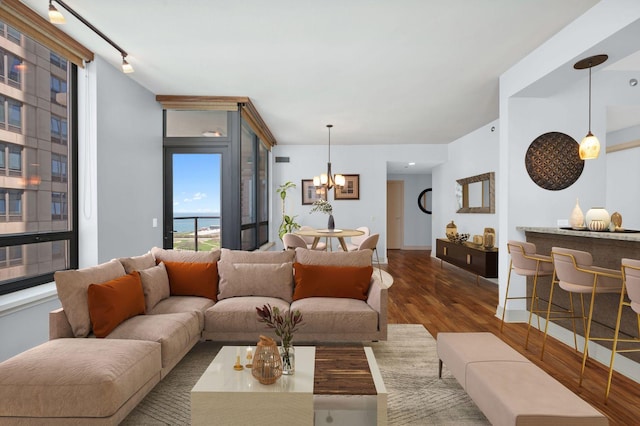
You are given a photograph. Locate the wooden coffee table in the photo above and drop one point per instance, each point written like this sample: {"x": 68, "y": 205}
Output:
{"x": 330, "y": 384}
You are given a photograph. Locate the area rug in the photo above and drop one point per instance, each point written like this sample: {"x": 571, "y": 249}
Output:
{"x": 408, "y": 363}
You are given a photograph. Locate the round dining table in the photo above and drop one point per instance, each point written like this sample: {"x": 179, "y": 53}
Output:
{"x": 340, "y": 234}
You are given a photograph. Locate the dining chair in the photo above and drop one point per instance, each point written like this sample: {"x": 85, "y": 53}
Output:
{"x": 371, "y": 243}
{"x": 630, "y": 269}
{"x": 309, "y": 240}
{"x": 526, "y": 262}
{"x": 291, "y": 241}
{"x": 574, "y": 272}
{"x": 355, "y": 241}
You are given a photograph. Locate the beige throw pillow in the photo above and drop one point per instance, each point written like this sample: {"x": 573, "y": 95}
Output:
{"x": 241, "y": 256}
{"x": 336, "y": 258}
{"x": 255, "y": 279}
{"x": 137, "y": 263}
{"x": 185, "y": 256}
{"x": 72, "y": 288}
{"x": 155, "y": 285}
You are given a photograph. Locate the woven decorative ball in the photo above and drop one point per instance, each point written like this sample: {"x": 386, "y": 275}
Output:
{"x": 267, "y": 364}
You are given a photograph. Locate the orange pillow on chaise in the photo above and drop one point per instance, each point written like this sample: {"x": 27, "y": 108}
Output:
{"x": 193, "y": 279}
{"x": 113, "y": 302}
{"x": 332, "y": 281}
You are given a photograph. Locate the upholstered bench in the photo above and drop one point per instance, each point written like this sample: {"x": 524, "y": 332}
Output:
{"x": 77, "y": 381}
{"x": 507, "y": 387}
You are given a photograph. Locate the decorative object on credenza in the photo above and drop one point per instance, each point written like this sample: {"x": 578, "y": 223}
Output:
{"x": 458, "y": 238}
{"x": 489, "y": 238}
{"x": 328, "y": 180}
{"x": 553, "y": 162}
{"x": 478, "y": 240}
{"x": 311, "y": 193}
{"x": 267, "y": 364}
{"x": 590, "y": 145}
{"x": 451, "y": 229}
{"x": 597, "y": 219}
{"x": 350, "y": 190}
{"x": 422, "y": 201}
{"x": 324, "y": 206}
{"x": 576, "y": 220}
{"x": 616, "y": 219}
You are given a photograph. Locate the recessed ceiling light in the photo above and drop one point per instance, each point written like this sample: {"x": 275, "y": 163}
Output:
{"x": 633, "y": 82}
{"x": 412, "y": 164}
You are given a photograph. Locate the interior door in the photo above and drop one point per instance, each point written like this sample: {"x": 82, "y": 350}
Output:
{"x": 193, "y": 189}
{"x": 395, "y": 214}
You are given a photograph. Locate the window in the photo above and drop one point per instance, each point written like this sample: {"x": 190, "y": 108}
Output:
{"x": 38, "y": 202}
{"x": 59, "y": 130}
{"x": 58, "y": 90}
{"x": 58, "y": 168}
{"x": 59, "y": 206}
{"x": 11, "y": 113}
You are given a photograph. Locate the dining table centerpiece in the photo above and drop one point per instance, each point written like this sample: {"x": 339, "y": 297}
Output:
{"x": 324, "y": 206}
{"x": 284, "y": 325}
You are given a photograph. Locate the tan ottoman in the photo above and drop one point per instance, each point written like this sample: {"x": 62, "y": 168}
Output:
{"x": 77, "y": 381}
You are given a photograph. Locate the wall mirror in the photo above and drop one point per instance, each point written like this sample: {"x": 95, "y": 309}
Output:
{"x": 476, "y": 194}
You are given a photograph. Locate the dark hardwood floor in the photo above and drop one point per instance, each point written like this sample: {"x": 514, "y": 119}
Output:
{"x": 445, "y": 298}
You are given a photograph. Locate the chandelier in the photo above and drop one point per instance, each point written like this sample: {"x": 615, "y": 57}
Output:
{"x": 328, "y": 180}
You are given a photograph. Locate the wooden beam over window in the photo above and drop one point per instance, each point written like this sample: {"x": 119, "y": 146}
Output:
{"x": 28, "y": 22}
{"x": 222, "y": 103}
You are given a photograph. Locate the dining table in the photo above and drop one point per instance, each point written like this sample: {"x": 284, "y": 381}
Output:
{"x": 340, "y": 234}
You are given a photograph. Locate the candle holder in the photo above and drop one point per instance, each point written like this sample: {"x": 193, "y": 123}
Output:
{"x": 249, "y": 358}
{"x": 267, "y": 363}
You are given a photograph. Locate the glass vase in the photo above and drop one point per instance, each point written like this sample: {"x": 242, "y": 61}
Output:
{"x": 288, "y": 355}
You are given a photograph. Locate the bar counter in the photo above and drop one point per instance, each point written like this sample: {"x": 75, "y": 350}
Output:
{"x": 607, "y": 249}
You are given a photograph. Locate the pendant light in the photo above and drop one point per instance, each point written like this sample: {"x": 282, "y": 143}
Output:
{"x": 590, "y": 145}
{"x": 328, "y": 180}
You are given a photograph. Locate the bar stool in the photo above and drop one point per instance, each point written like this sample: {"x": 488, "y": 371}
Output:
{"x": 574, "y": 272}
{"x": 526, "y": 262}
{"x": 631, "y": 285}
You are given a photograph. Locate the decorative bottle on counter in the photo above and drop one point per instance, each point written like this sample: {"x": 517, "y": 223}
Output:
{"x": 576, "y": 220}
{"x": 489, "y": 238}
{"x": 451, "y": 229}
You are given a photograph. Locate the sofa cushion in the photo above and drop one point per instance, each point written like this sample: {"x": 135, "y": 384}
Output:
{"x": 332, "y": 281}
{"x": 238, "y": 314}
{"x": 193, "y": 279}
{"x": 72, "y": 291}
{"x": 336, "y": 258}
{"x": 176, "y": 304}
{"x": 174, "y": 332}
{"x": 114, "y": 301}
{"x": 74, "y": 377}
{"x": 137, "y": 263}
{"x": 330, "y": 315}
{"x": 241, "y": 256}
{"x": 155, "y": 284}
{"x": 164, "y": 255}
{"x": 255, "y": 279}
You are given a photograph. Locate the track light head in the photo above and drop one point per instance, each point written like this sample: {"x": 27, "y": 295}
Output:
{"x": 55, "y": 17}
{"x": 126, "y": 66}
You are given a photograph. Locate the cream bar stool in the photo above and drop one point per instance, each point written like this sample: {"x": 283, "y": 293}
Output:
{"x": 575, "y": 273}
{"x": 631, "y": 285}
{"x": 526, "y": 262}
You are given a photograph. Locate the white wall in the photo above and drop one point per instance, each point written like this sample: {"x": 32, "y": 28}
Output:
{"x": 120, "y": 191}
{"x": 473, "y": 154}
{"x": 417, "y": 224}
{"x": 369, "y": 161}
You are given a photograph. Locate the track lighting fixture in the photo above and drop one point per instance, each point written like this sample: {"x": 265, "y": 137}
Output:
{"x": 55, "y": 17}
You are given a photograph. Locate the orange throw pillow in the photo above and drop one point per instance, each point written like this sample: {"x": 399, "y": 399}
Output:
{"x": 332, "y": 281}
{"x": 113, "y": 302}
{"x": 193, "y": 279}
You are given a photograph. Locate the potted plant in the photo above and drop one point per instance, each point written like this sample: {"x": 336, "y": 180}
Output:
{"x": 324, "y": 206}
{"x": 288, "y": 223}
{"x": 284, "y": 325}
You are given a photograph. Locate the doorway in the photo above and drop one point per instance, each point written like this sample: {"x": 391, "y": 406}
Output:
{"x": 395, "y": 214}
{"x": 193, "y": 199}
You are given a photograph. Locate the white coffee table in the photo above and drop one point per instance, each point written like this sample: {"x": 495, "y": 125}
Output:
{"x": 224, "y": 396}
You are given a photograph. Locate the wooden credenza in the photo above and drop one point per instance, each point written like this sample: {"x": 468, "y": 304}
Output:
{"x": 478, "y": 260}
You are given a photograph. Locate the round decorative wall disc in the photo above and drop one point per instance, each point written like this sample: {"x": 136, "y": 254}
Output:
{"x": 553, "y": 161}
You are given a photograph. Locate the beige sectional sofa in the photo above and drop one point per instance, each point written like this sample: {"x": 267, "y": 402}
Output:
{"x": 76, "y": 378}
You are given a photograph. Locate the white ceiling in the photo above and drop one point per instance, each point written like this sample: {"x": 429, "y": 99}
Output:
{"x": 382, "y": 72}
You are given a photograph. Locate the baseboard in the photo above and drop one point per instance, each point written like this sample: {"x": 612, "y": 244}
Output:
{"x": 416, "y": 248}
